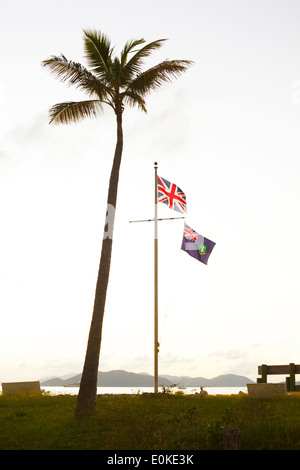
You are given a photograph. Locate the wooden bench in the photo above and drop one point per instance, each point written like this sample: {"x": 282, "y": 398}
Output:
{"x": 292, "y": 369}
{"x": 15, "y": 388}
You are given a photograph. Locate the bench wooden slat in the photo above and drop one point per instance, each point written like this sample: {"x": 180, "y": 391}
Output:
{"x": 278, "y": 370}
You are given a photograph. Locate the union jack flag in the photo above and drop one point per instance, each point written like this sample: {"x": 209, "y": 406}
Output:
{"x": 190, "y": 234}
{"x": 170, "y": 194}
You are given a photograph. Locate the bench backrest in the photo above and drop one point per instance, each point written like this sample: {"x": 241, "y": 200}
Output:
{"x": 278, "y": 370}
{"x": 21, "y": 387}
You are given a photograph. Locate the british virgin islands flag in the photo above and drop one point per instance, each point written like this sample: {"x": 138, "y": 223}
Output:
{"x": 196, "y": 245}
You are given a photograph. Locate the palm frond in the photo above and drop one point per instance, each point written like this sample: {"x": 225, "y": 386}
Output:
{"x": 134, "y": 65}
{"x": 133, "y": 99}
{"x": 128, "y": 48}
{"x": 74, "y": 111}
{"x": 116, "y": 72}
{"x": 75, "y": 74}
{"x": 157, "y": 76}
{"x": 98, "y": 54}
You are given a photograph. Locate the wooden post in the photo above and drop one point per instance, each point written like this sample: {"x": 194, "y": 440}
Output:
{"x": 292, "y": 377}
{"x": 264, "y": 373}
{"x": 232, "y": 439}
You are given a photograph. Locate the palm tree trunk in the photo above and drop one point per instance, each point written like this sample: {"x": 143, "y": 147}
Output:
{"x": 86, "y": 401}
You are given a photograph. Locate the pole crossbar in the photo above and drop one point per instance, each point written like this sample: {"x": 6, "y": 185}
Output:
{"x": 154, "y": 220}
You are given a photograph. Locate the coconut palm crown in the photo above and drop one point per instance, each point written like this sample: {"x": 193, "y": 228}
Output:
{"x": 116, "y": 82}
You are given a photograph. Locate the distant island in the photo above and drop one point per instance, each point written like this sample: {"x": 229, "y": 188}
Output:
{"x": 121, "y": 378}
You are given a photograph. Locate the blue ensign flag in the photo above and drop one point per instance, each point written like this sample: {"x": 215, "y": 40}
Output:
{"x": 196, "y": 245}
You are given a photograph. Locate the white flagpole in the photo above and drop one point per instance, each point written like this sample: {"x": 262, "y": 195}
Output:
{"x": 155, "y": 220}
{"x": 156, "y": 345}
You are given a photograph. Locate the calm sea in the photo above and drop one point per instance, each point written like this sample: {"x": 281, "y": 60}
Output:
{"x": 133, "y": 390}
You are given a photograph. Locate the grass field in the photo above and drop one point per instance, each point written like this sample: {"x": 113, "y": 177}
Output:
{"x": 149, "y": 422}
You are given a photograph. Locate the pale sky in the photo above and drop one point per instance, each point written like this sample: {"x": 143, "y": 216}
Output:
{"x": 226, "y": 132}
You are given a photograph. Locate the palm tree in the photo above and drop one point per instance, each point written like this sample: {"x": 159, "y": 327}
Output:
{"x": 115, "y": 82}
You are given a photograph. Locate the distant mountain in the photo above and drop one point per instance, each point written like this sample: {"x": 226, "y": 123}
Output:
{"x": 113, "y": 378}
{"x": 121, "y": 378}
{"x": 63, "y": 377}
{"x": 227, "y": 380}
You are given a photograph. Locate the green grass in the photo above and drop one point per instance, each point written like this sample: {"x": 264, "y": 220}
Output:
{"x": 149, "y": 422}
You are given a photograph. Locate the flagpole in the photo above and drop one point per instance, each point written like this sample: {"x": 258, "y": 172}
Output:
{"x": 155, "y": 220}
{"x": 155, "y": 285}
